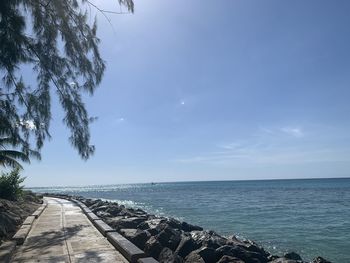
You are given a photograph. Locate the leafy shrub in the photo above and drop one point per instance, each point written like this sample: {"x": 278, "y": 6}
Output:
{"x": 10, "y": 185}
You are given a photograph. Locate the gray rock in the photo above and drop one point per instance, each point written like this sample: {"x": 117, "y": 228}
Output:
{"x": 131, "y": 222}
{"x": 284, "y": 260}
{"x": 193, "y": 257}
{"x": 186, "y": 246}
{"x": 168, "y": 256}
{"x": 241, "y": 253}
{"x": 228, "y": 259}
{"x": 208, "y": 239}
{"x": 169, "y": 237}
{"x": 136, "y": 236}
{"x": 153, "y": 247}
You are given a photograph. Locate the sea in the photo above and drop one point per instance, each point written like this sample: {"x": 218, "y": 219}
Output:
{"x": 308, "y": 216}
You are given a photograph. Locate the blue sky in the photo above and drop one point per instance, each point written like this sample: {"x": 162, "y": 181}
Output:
{"x": 214, "y": 90}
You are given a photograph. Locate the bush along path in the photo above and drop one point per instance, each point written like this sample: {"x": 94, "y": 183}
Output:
{"x": 169, "y": 240}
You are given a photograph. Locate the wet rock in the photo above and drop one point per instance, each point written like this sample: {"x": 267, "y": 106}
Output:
{"x": 247, "y": 245}
{"x": 208, "y": 239}
{"x": 153, "y": 247}
{"x": 168, "y": 256}
{"x": 186, "y": 246}
{"x": 241, "y": 253}
{"x": 292, "y": 255}
{"x": 320, "y": 260}
{"x": 228, "y": 259}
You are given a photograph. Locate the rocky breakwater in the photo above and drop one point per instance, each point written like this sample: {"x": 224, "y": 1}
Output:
{"x": 169, "y": 240}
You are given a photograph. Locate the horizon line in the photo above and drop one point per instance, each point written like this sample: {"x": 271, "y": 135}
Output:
{"x": 192, "y": 181}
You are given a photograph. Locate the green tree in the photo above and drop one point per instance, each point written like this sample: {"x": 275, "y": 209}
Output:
{"x": 11, "y": 187}
{"x": 54, "y": 39}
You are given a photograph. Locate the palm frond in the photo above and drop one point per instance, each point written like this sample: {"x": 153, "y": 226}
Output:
{"x": 9, "y": 162}
{"x": 15, "y": 155}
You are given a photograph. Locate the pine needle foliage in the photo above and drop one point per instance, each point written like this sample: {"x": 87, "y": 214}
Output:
{"x": 55, "y": 39}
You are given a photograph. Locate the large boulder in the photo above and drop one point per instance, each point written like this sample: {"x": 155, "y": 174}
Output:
{"x": 188, "y": 227}
{"x": 241, "y": 253}
{"x": 137, "y": 236}
{"x": 228, "y": 259}
{"x": 151, "y": 223}
{"x": 131, "y": 222}
{"x": 186, "y": 246}
{"x": 168, "y": 256}
{"x": 284, "y": 260}
{"x": 205, "y": 254}
{"x": 169, "y": 237}
{"x": 153, "y": 247}
{"x": 247, "y": 245}
{"x": 208, "y": 239}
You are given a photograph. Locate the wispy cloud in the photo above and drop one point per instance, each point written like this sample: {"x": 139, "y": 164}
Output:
{"x": 270, "y": 150}
{"x": 293, "y": 131}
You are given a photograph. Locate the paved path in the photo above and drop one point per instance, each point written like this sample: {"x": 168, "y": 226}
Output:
{"x": 63, "y": 233}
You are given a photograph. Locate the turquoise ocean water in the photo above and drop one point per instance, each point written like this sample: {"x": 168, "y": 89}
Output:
{"x": 311, "y": 217}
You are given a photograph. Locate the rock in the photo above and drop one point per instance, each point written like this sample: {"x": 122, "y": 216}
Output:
{"x": 247, "y": 245}
{"x": 169, "y": 237}
{"x": 241, "y": 253}
{"x": 174, "y": 223}
{"x": 152, "y": 231}
{"x": 136, "y": 236}
{"x": 284, "y": 260}
{"x": 131, "y": 222}
{"x": 153, "y": 247}
{"x": 208, "y": 254}
{"x": 103, "y": 214}
{"x": 188, "y": 227}
{"x": 186, "y": 246}
{"x": 208, "y": 239}
{"x": 168, "y": 256}
{"x": 97, "y": 208}
{"x": 228, "y": 259}
{"x": 320, "y": 260}
{"x": 292, "y": 255}
{"x": 193, "y": 257}
{"x": 151, "y": 223}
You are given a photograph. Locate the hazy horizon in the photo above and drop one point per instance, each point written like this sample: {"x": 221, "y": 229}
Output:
{"x": 224, "y": 90}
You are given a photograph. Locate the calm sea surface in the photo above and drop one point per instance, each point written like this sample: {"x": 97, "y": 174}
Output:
{"x": 311, "y": 217}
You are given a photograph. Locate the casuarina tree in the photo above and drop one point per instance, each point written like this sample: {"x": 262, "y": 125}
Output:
{"x": 56, "y": 43}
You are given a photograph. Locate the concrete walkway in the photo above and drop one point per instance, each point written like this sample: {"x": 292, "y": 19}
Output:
{"x": 63, "y": 233}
